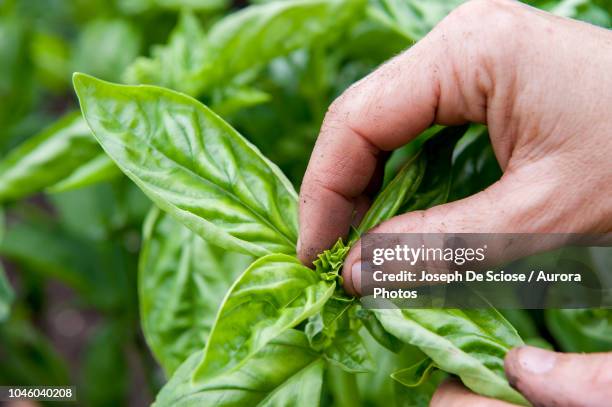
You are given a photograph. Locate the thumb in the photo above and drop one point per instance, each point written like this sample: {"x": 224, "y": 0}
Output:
{"x": 511, "y": 205}
{"x": 547, "y": 378}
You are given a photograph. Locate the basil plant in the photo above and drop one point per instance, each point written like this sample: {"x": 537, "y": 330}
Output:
{"x": 228, "y": 310}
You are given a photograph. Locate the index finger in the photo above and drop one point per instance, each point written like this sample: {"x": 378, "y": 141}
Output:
{"x": 383, "y": 111}
{"x": 445, "y": 78}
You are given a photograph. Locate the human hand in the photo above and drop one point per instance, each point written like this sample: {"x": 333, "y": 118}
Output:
{"x": 545, "y": 378}
{"x": 541, "y": 83}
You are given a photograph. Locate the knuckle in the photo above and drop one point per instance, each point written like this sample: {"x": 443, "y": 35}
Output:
{"x": 495, "y": 18}
{"x": 335, "y": 109}
{"x": 342, "y": 110}
{"x": 477, "y": 28}
{"x": 335, "y": 117}
{"x": 482, "y": 8}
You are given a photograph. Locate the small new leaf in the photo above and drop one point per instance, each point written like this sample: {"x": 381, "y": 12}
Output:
{"x": 329, "y": 263}
{"x": 47, "y": 158}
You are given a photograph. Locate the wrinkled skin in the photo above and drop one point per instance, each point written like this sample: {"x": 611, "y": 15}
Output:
{"x": 543, "y": 86}
{"x": 545, "y": 378}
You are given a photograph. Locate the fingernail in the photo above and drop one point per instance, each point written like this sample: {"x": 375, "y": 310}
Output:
{"x": 535, "y": 360}
{"x": 356, "y": 276}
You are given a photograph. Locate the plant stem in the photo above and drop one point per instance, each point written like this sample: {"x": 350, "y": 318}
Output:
{"x": 343, "y": 386}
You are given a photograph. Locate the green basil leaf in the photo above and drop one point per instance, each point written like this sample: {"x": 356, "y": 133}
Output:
{"x": 376, "y": 388}
{"x": 50, "y": 55}
{"x": 401, "y": 155}
{"x": 203, "y": 5}
{"x": 172, "y": 64}
{"x": 29, "y": 357}
{"x": 469, "y": 343}
{"x": 475, "y": 166}
{"x": 229, "y": 100}
{"x": 388, "y": 203}
{"x": 411, "y": 18}
{"x": 285, "y": 372}
{"x": 329, "y": 263}
{"x": 46, "y": 158}
{"x": 262, "y": 33}
{"x": 581, "y": 330}
{"x": 302, "y": 390}
{"x": 321, "y": 327}
{"x": 16, "y": 82}
{"x": 57, "y": 255}
{"x": 522, "y": 321}
{"x": 106, "y": 47}
{"x": 378, "y": 333}
{"x": 540, "y": 342}
{"x": 423, "y": 181}
{"x": 7, "y": 295}
{"x": 242, "y": 41}
{"x": 193, "y": 165}
{"x": 273, "y": 295}
{"x": 436, "y": 183}
{"x": 348, "y": 352}
{"x": 105, "y": 358}
{"x": 594, "y": 12}
{"x": 143, "y": 6}
{"x": 416, "y": 374}
{"x": 102, "y": 212}
{"x": 334, "y": 330}
{"x": 97, "y": 273}
{"x": 182, "y": 281}
{"x": 98, "y": 169}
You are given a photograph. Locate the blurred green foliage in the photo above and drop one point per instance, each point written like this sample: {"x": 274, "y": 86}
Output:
{"x": 73, "y": 220}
